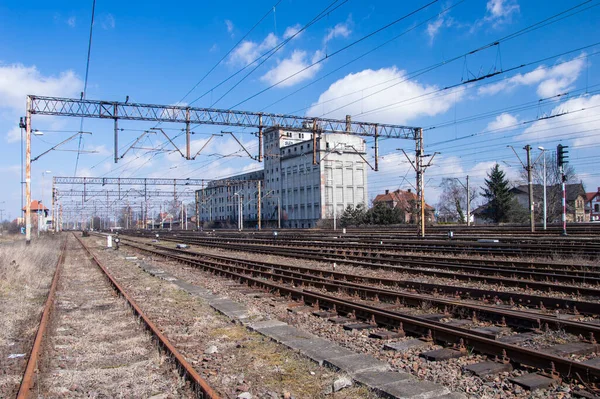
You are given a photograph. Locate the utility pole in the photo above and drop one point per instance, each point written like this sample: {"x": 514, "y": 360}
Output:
{"x": 530, "y": 185}
{"x": 468, "y": 203}
{"x": 259, "y": 201}
{"x": 561, "y": 159}
{"x": 528, "y": 168}
{"x": 545, "y": 189}
{"x": 468, "y": 198}
{"x": 419, "y": 167}
{"x": 332, "y": 182}
{"x": 279, "y": 212}
{"x": 28, "y": 173}
{"x": 197, "y": 212}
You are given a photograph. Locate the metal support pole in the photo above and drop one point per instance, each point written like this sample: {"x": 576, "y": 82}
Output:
{"x": 28, "y": 173}
{"x": 240, "y": 212}
{"x": 259, "y": 200}
{"x": 314, "y": 133}
{"x": 53, "y": 207}
{"x": 468, "y": 203}
{"x": 530, "y": 185}
{"x": 197, "y": 212}
{"x": 376, "y": 150}
{"x": 188, "y": 138}
{"x": 334, "y": 204}
{"x": 115, "y": 110}
{"x": 279, "y": 212}
{"x": 564, "y": 201}
{"x": 419, "y": 178}
{"x": 545, "y": 189}
{"x": 260, "y": 139}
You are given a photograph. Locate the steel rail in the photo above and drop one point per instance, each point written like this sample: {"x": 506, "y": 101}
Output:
{"x": 189, "y": 372}
{"x": 576, "y": 269}
{"x": 567, "y": 368}
{"x": 512, "y": 282}
{"x": 27, "y": 380}
{"x": 438, "y": 246}
{"x": 528, "y": 300}
{"x": 332, "y": 281}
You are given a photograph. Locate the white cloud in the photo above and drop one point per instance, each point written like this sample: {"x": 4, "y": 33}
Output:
{"x": 108, "y": 22}
{"x": 581, "y": 114}
{"x": 100, "y": 149}
{"x": 248, "y": 50}
{"x": 213, "y": 48}
{"x": 355, "y": 87}
{"x": 291, "y": 31}
{"x": 501, "y": 11}
{"x": 434, "y": 27}
{"x": 72, "y": 21}
{"x": 550, "y": 80}
{"x": 13, "y": 135}
{"x": 342, "y": 29}
{"x": 292, "y": 65}
{"x": 502, "y": 121}
{"x": 230, "y": 27}
{"x": 17, "y": 81}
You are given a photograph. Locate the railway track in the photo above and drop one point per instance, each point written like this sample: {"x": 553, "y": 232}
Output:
{"x": 356, "y": 285}
{"x": 452, "y": 269}
{"x": 74, "y": 353}
{"x": 589, "y": 249}
{"x": 441, "y": 230}
{"x": 335, "y": 295}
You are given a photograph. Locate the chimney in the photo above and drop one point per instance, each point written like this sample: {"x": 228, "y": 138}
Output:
{"x": 409, "y": 190}
{"x": 388, "y": 191}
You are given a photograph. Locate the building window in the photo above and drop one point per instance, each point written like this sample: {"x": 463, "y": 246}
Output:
{"x": 597, "y": 208}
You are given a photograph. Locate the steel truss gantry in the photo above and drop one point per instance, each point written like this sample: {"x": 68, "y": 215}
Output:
{"x": 117, "y": 110}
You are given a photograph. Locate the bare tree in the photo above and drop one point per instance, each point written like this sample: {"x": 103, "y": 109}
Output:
{"x": 452, "y": 203}
{"x": 553, "y": 183}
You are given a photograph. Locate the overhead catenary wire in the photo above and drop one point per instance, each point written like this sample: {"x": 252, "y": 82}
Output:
{"x": 85, "y": 82}
{"x": 411, "y": 75}
{"x": 414, "y": 27}
{"x": 327, "y": 56}
{"x": 271, "y": 50}
{"x": 271, "y": 9}
{"x": 323, "y": 13}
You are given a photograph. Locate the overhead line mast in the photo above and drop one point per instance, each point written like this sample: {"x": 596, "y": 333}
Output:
{"x": 115, "y": 110}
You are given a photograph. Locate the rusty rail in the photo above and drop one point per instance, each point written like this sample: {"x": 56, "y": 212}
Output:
{"x": 27, "y": 381}
{"x": 187, "y": 369}
{"x": 566, "y": 367}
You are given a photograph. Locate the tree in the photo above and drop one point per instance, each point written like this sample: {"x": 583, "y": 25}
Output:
{"x": 500, "y": 201}
{"x": 380, "y": 213}
{"x": 553, "y": 183}
{"x": 452, "y": 203}
{"x": 353, "y": 216}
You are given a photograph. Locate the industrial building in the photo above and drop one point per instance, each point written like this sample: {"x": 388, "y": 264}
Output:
{"x": 293, "y": 191}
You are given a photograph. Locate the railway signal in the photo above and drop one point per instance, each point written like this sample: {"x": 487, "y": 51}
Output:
{"x": 561, "y": 155}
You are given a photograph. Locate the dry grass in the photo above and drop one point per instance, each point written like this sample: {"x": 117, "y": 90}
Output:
{"x": 25, "y": 276}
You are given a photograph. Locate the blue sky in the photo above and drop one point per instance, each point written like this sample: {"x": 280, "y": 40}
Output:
{"x": 156, "y": 54}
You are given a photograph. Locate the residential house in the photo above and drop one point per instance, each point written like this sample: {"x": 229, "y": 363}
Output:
{"x": 593, "y": 206}
{"x": 575, "y": 201}
{"x": 39, "y": 216}
{"x": 406, "y": 202}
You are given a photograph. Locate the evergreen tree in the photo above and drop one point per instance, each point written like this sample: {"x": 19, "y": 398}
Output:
{"x": 499, "y": 199}
{"x": 353, "y": 216}
{"x": 382, "y": 214}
